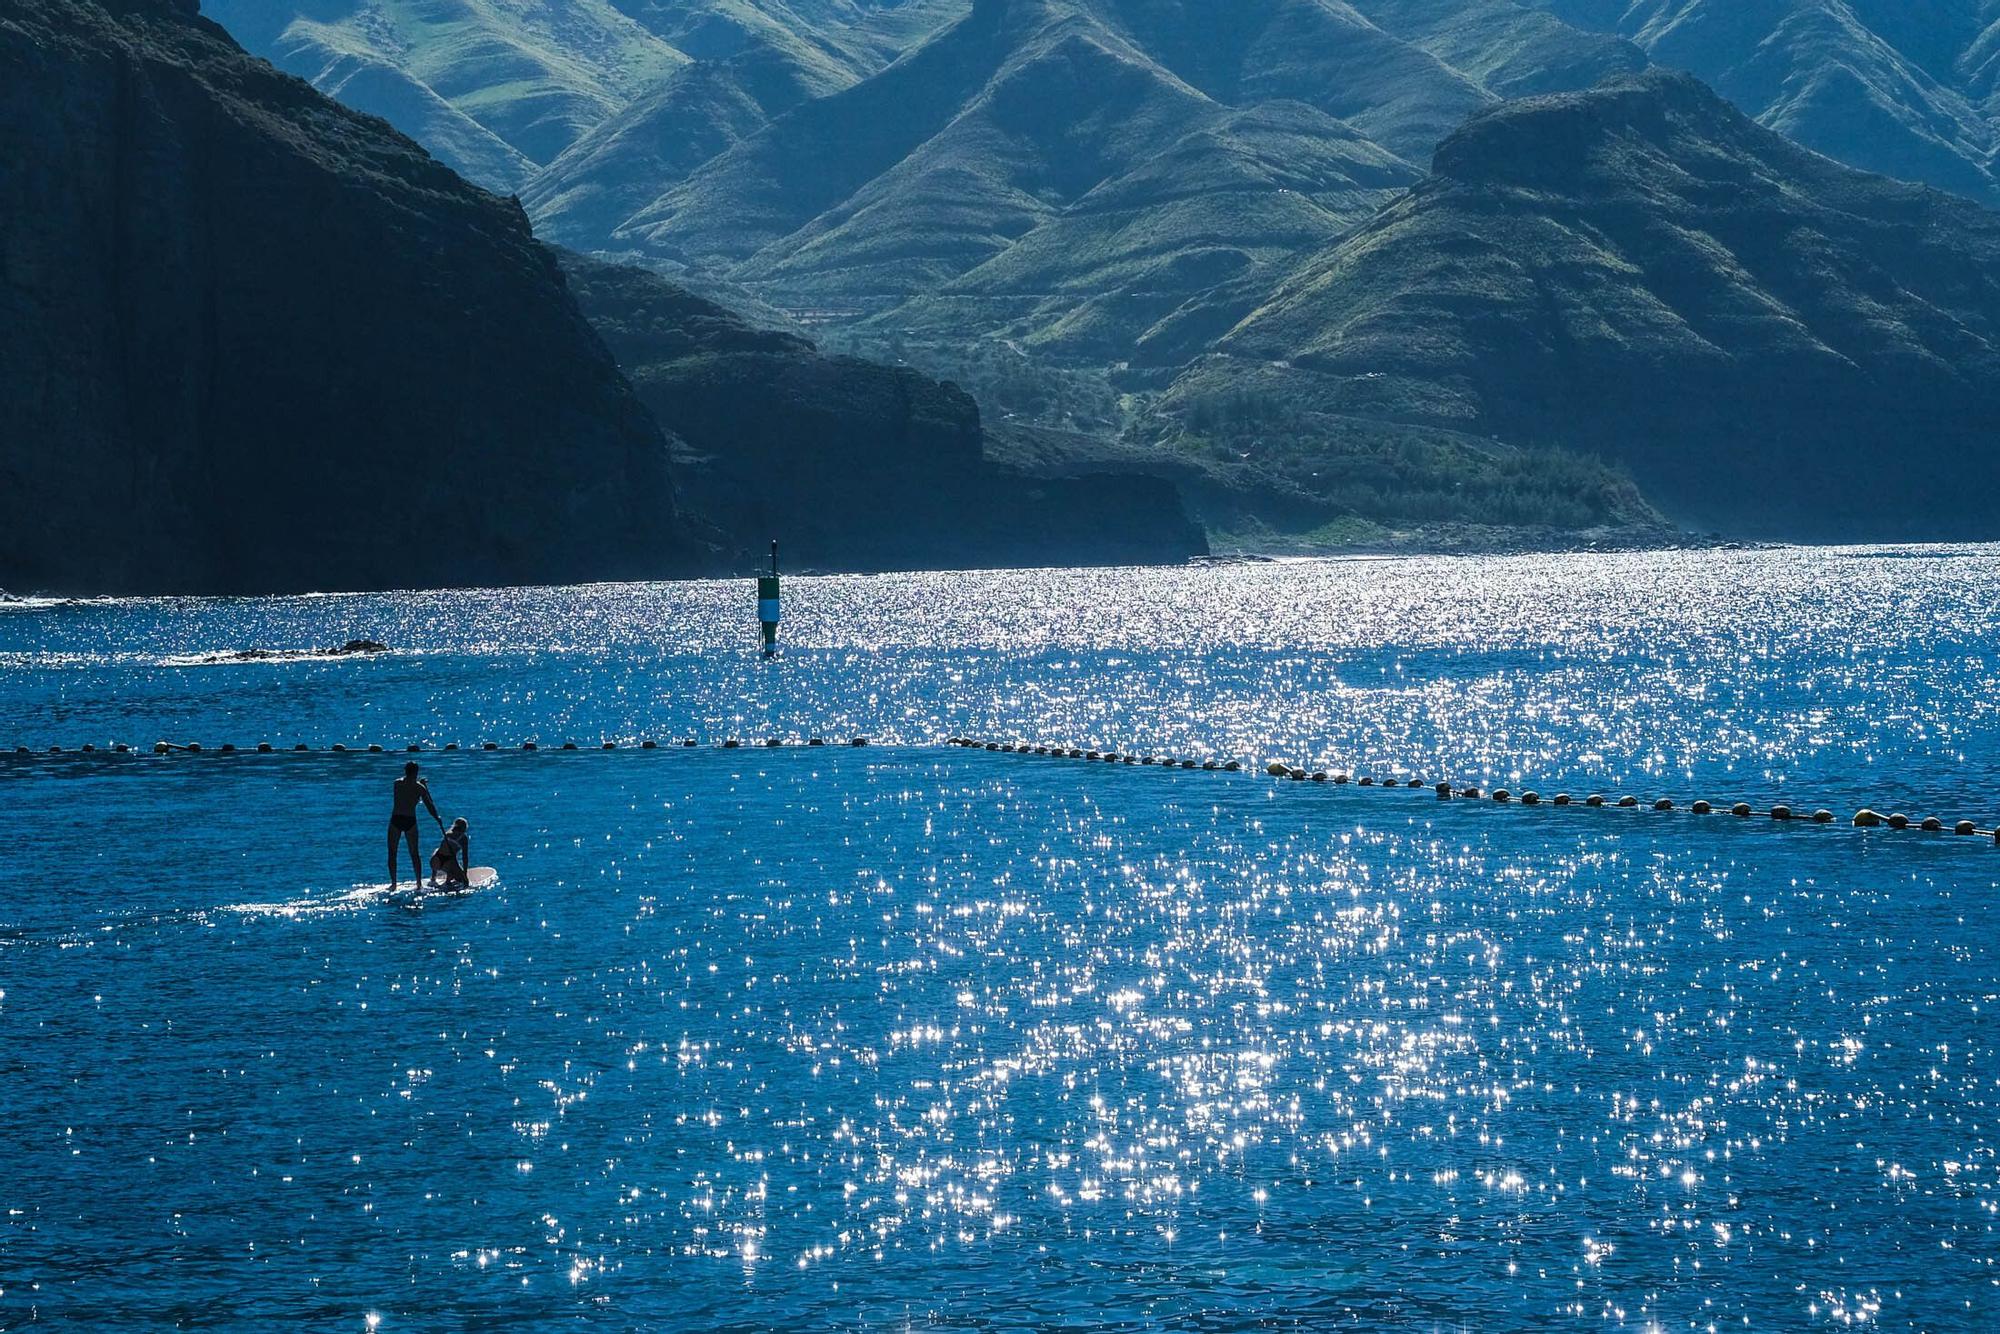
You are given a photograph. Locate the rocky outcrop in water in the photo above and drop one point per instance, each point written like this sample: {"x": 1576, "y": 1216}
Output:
{"x": 252, "y": 341}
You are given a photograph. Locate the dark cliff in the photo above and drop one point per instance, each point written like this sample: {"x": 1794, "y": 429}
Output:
{"x": 251, "y": 341}
{"x": 855, "y": 465}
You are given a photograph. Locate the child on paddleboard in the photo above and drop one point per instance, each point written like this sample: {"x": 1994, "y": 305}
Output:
{"x": 453, "y": 857}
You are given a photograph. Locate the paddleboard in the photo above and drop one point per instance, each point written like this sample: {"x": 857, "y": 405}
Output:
{"x": 478, "y": 877}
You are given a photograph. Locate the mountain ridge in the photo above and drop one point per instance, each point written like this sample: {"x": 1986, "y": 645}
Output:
{"x": 1641, "y": 272}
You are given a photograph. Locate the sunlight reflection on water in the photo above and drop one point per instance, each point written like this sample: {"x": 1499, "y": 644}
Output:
{"x": 907, "y": 1034}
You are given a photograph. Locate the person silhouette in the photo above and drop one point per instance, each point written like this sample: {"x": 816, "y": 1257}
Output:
{"x": 410, "y": 790}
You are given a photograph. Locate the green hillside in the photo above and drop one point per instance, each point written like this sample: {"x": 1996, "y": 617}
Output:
{"x": 696, "y": 113}
{"x": 1905, "y": 88}
{"x": 500, "y": 88}
{"x": 1771, "y": 342}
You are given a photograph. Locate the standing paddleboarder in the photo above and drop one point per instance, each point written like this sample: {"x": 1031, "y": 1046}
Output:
{"x": 410, "y": 790}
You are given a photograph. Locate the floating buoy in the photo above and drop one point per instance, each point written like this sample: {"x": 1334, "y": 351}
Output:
{"x": 688, "y": 743}
{"x": 1471, "y": 792}
{"x": 767, "y": 604}
{"x": 1932, "y": 824}
{"x": 413, "y": 746}
{"x": 1531, "y": 798}
{"x": 55, "y": 750}
{"x": 1364, "y": 781}
{"x": 1627, "y": 803}
{"x": 609, "y": 745}
{"x": 1234, "y": 766}
{"x": 263, "y": 748}
{"x": 122, "y": 748}
{"x": 88, "y": 748}
{"x": 1562, "y": 799}
{"x": 194, "y": 747}
{"x": 859, "y": 741}
{"x": 1965, "y": 827}
{"x": 1822, "y": 817}
{"x": 1741, "y": 808}
{"x": 1899, "y": 821}
{"x": 1594, "y": 799}
{"x": 1444, "y": 791}
{"x": 1319, "y": 776}
{"x": 815, "y": 741}
{"x": 451, "y": 745}
{"x": 1701, "y": 808}
{"x": 1781, "y": 812}
{"x": 374, "y": 750}
{"x": 772, "y": 743}
{"x": 1342, "y": 779}
{"x": 1664, "y": 804}
{"x": 1501, "y": 794}
{"x": 491, "y": 745}
{"x": 1274, "y": 769}
{"x": 569, "y": 745}
{"x": 530, "y": 745}
{"x": 1867, "y": 819}
{"x": 1296, "y": 775}
{"x": 649, "y": 745}
{"x": 733, "y": 744}
{"x": 301, "y": 746}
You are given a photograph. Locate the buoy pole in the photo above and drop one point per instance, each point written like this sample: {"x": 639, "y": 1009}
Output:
{"x": 767, "y": 605}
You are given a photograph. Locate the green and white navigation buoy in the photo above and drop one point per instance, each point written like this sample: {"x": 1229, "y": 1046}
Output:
{"x": 767, "y": 605}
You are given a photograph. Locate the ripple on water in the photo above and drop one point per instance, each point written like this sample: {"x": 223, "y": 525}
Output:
{"x": 807, "y": 1037}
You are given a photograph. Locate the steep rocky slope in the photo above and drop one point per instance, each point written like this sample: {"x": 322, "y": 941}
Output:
{"x": 493, "y": 88}
{"x": 1107, "y": 159}
{"x": 1772, "y": 342}
{"x": 498, "y": 89}
{"x": 251, "y": 340}
{"x": 1905, "y": 88}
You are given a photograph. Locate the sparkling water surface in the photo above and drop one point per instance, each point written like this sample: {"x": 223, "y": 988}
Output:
{"x": 912, "y": 1036}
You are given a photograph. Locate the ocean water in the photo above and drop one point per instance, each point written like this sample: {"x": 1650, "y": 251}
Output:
{"x": 911, "y": 1036}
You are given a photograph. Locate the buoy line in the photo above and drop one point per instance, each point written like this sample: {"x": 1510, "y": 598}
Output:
{"x": 414, "y": 748}
{"x": 1865, "y": 818}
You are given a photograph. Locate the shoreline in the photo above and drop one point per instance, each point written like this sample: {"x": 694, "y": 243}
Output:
{"x": 1223, "y": 553}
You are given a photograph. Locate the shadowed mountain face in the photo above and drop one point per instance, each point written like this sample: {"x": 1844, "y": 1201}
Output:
{"x": 252, "y": 341}
{"x": 1772, "y": 342}
{"x": 1906, "y": 88}
{"x": 855, "y": 465}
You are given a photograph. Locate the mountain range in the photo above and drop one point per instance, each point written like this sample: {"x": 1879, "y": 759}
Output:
{"x": 254, "y": 341}
{"x": 1768, "y": 341}
{"x": 1455, "y": 272}
{"x": 1906, "y": 88}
